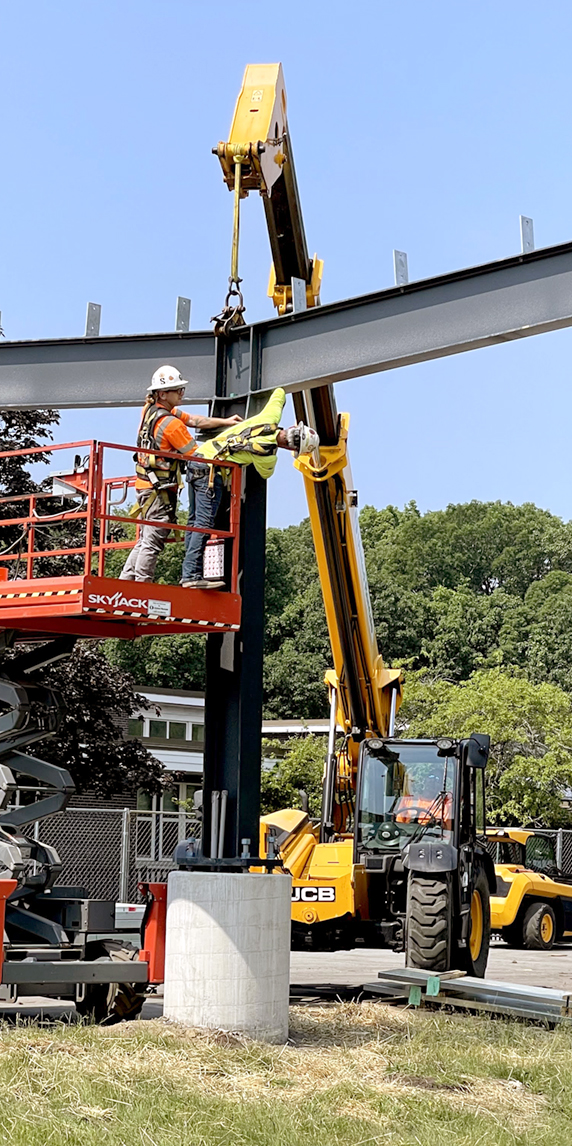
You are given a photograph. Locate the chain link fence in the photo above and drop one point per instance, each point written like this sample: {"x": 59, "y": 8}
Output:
{"x": 108, "y": 851}
{"x": 562, "y": 840}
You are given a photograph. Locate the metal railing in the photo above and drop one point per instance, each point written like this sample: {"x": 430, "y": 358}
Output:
{"x": 85, "y": 480}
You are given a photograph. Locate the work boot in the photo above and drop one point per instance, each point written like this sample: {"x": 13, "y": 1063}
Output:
{"x": 202, "y": 583}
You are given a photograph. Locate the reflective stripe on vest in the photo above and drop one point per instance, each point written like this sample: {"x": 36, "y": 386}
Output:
{"x": 166, "y": 471}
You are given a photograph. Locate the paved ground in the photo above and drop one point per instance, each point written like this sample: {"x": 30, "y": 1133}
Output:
{"x": 352, "y": 968}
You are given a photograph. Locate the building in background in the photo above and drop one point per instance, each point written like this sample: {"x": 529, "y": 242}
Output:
{"x": 109, "y": 845}
{"x": 173, "y": 730}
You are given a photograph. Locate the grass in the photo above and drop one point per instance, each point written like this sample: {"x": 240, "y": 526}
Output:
{"x": 355, "y": 1074}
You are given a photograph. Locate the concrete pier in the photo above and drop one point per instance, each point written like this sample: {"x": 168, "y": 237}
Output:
{"x": 228, "y": 952}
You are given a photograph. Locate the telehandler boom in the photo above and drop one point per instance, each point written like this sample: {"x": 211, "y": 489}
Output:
{"x": 399, "y": 857}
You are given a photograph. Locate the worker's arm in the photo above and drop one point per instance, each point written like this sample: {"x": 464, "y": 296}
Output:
{"x": 200, "y": 422}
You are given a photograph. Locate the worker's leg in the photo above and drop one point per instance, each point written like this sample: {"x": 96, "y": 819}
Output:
{"x": 204, "y": 500}
{"x": 140, "y": 565}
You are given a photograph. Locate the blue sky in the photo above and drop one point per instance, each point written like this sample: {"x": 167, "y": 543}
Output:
{"x": 429, "y": 127}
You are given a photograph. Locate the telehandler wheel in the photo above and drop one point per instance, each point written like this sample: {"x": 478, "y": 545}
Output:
{"x": 110, "y": 1003}
{"x": 475, "y": 955}
{"x": 429, "y": 923}
{"x": 513, "y": 935}
{"x": 539, "y": 927}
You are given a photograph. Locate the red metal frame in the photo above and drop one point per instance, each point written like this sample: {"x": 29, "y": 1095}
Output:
{"x": 91, "y": 604}
{"x": 7, "y": 886}
{"x": 155, "y": 928}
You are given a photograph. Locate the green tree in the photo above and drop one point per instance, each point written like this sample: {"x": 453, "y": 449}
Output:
{"x": 530, "y": 726}
{"x": 297, "y": 656}
{"x": 549, "y": 652}
{"x": 290, "y": 767}
{"x": 173, "y": 661}
{"x": 485, "y": 544}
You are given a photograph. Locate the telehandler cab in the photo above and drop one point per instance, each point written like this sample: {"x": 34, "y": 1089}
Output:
{"x": 406, "y": 866}
{"x": 531, "y": 905}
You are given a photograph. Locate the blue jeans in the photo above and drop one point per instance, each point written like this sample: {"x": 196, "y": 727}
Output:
{"x": 203, "y": 505}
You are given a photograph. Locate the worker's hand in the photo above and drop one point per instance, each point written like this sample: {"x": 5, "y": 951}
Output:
{"x": 234, "y": 420}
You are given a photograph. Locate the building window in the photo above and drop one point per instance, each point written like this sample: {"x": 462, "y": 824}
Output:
{"x": 157, "y": 729}
{"x": 177, "y": 730}
{"x": 170, "y": 798}
{"x": 199, "y": 733}
{"x": 145, "y": 801}
{"x": 135, "y": 726}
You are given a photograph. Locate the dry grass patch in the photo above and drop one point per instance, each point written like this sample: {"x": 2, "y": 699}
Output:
{"x": 350, "y": 1074}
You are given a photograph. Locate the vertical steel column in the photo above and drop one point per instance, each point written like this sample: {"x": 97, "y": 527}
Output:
{"x": 233, "y": 706}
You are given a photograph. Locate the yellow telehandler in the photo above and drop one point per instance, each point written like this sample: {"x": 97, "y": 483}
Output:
{"x": 399, "y": 857}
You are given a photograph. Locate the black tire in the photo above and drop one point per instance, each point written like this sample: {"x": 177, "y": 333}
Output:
{"x": 474, "y": 957}
{"x": 429, "y": 923}
{"x": 539, "y": 927}
{"x": 513, "y": 935}
{"x": 110, "y": 1003}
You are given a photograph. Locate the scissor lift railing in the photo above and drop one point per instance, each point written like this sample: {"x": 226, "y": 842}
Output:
{"x": 37, "y": 596}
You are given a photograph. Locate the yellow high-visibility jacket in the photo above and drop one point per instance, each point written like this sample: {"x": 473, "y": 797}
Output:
{"x": 252, "y": 441}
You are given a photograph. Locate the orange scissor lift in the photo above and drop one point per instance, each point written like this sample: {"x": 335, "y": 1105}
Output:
{"x": 88, "y": 603}
{"x": 55, "y": 587}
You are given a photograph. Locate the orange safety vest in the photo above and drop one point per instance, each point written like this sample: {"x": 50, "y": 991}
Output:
{"x": 162, "y": 429}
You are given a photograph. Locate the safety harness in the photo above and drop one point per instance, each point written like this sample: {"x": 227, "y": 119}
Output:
{"x": 163, "y": 474}
{"x": 247, "y": 441}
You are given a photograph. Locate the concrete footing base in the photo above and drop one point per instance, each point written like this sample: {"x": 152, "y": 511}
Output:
{"x": 227, "y": 959}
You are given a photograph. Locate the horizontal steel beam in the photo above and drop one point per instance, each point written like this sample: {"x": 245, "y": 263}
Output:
{"x": 513, "y": 298}
{"x": 69, "y": 373}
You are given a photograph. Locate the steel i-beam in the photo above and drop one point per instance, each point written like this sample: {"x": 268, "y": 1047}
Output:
{"x": 513, "y": 298}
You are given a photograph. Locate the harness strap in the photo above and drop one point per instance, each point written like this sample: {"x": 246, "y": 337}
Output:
{"x": 147, "y": 464}
{"x": 140, "y": 510}
{"x": 246, "y": 441}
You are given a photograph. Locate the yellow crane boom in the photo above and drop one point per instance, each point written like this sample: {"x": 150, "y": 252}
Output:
{"x": 258, "y": 156}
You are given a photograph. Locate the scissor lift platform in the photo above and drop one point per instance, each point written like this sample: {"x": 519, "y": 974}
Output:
{"x": 103, "y": 607}
{"x": 35, "y": 603}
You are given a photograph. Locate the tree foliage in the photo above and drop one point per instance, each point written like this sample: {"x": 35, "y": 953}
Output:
{"x": 91, "y": 741}
{"x": 530, "y": 726}
{"x": 291, "y": 767}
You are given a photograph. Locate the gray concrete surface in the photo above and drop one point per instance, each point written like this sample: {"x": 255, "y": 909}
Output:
{"x": 351, "y": 968}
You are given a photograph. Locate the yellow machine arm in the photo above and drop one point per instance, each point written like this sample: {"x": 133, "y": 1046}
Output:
{"x": 367, "y": 694}
{"x": 258, "y": 157}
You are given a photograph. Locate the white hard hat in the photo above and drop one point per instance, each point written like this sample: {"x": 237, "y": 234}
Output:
{"x": 302, "y": 439}
{"x": 167, "y": 378}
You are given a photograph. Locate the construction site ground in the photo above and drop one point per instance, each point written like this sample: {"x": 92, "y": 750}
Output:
{"x": 349, "y": 1074}
{"x": 353, "y": 968}
{"x": 359, "y": 1073}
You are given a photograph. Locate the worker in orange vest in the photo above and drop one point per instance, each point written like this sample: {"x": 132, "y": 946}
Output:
{"x": 163, "y": 427}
